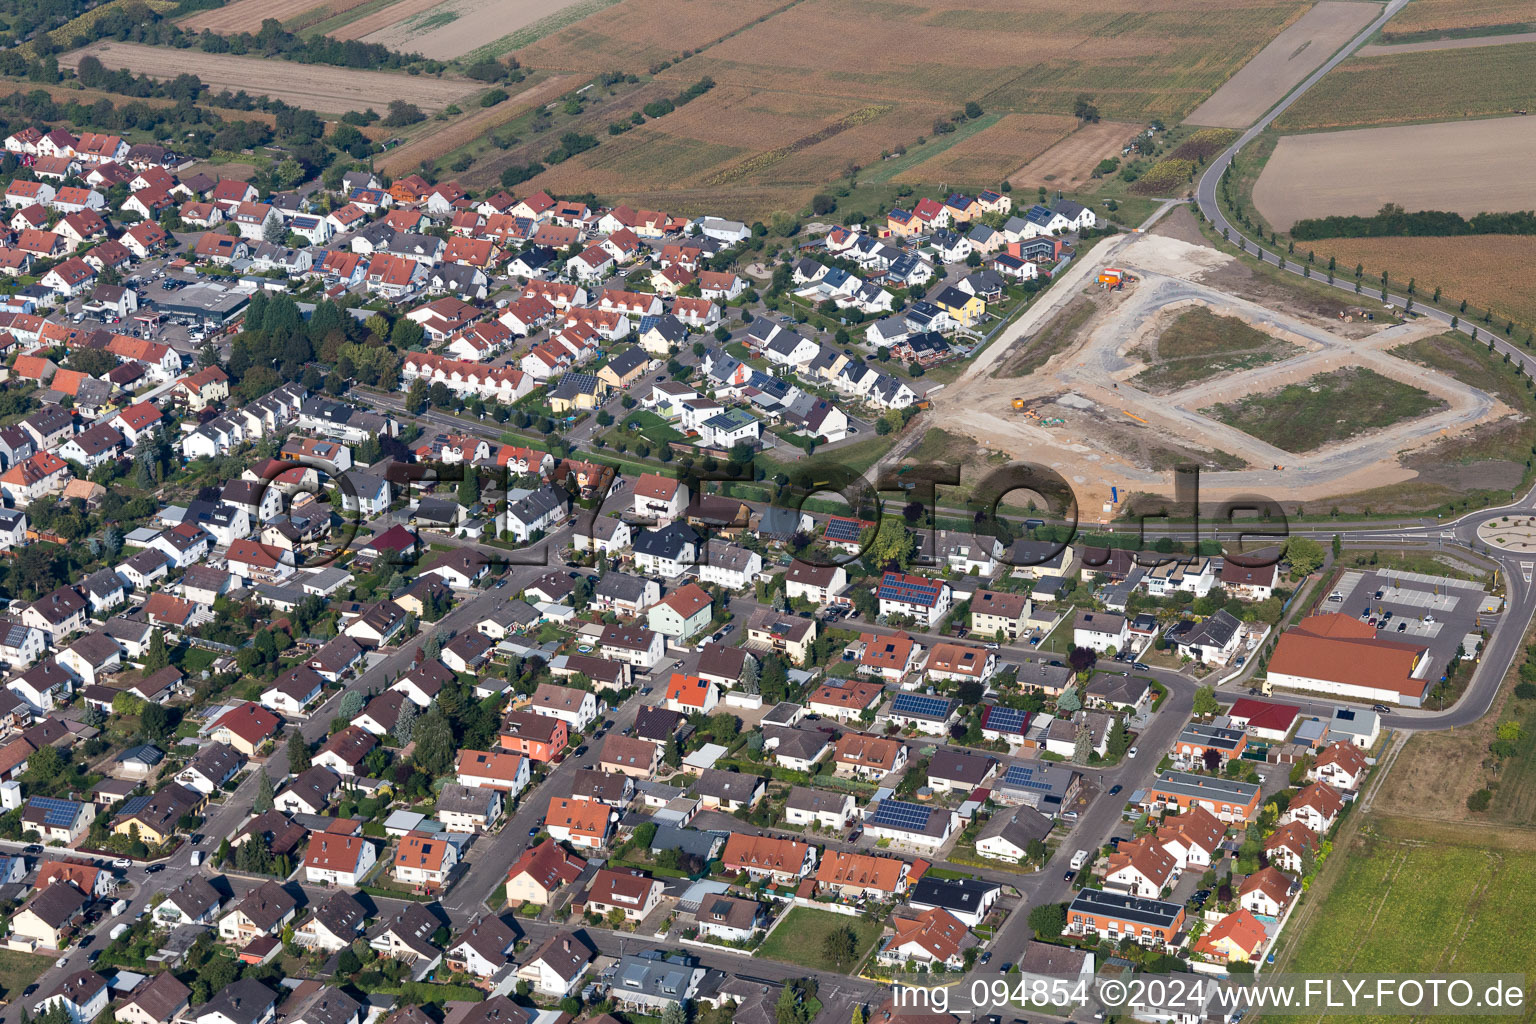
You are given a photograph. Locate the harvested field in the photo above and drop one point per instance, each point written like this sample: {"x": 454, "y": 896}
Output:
{"x": 1199, "y": 344}
{"x": 1471, "y": 267}
{"x": 1468, "y": 167}
{"x": 640, "y": 159}
{"x": 247, "y": 15}
{"x": 1290, "y": 57}
{"x": 454, "y": 28}
{"x": 1449, "y": 19}
{"x": 1326, "y": 408}
{"x": 382, "y": 18}
{"x": 467, "y": 129}
{"x": 995, "y": 152}
{"x": 1434, "y": 85}
{"x": 1074, "y": 158}
{"x": 637, "y": 33}
{"x": 330, "y": 90}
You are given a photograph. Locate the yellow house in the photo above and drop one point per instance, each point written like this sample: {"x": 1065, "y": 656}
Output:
{"x": 155, "y": 822}
{"x": 963, "y": 307}
{"x": 624, "y": 369}
{"x": 788, "y": 635}
{"x": 577, "y": 391}
{"x": 901, "y": 223}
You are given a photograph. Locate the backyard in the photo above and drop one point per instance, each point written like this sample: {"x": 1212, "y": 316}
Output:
{"x": 801, "y": 938}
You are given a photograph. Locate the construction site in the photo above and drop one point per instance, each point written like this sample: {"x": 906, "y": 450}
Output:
{"x": 1152, "y": 351}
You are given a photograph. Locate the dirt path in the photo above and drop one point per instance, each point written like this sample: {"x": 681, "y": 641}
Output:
{"x": 1387, "y": 49}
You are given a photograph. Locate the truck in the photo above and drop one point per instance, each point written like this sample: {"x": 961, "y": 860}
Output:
{"x": 117, "y": 932}
{"x": 197, "y": 857}
{"x": 119, "y": 907}
{"x": 1079, "y": 859}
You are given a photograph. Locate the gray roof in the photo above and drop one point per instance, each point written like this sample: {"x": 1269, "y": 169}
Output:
{"x": 245, "y": 1002}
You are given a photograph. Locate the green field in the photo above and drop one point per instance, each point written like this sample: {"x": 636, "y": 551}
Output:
{"x": 1199, "y": 344}
{"x": 18, "y": 970}
{"x": 1327, "y": 408}
{"x": 652, "y": 427}
{"x": 1405, "y": 897}
{"x": 1427, "y": 85}
{"x": 799, "y": 937}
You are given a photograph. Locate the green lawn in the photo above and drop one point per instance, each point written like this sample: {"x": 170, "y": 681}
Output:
{"x": 1409, "y": 902}
{"x": 1199, "y": 344}
{"x": 18, "y": 970}
{"x": 652, "y": 427}
{"x": 1326, "y": 408}
{"x": 799, "y": 937}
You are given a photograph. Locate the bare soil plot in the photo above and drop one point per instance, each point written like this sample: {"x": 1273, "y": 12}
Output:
{"x": 247, "y": 15}
{"x": 1471, "y": 267}
{"x": 1433, "y": 85}
{"x": 1074, "y": 157}
{"x": 1290, "y": 57}
{"x": 1326, "y": 408}
{"x": 1460, "y": 43}
{"x": 1469, "y": 167}
{"x": 330, "y": 90}
{"x": 1425, "y": 19}
{"x": 383, "y": 18}
{"x": 994, "y": 153}
{"x": 1198, "y": 344}
{"x": 467, "y": 129}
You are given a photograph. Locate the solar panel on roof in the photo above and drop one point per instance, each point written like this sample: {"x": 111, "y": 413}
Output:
{"x": 844, "y": 529}
{"x": 1022, "y": 776}
{"x": 58, "y": 812}
{"x": 920, "y": 704}
{"x": 909, "y": 589}
{"x": 900, "y": 814}
{"x": 648, "y": 321}
{"x": 1003, "y": 719}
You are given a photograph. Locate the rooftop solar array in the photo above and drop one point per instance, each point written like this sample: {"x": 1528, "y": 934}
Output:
{"x": 909, "y": 589}
{"x": 921, "y": 704}
{"x": 1022, "y": 776}
{"x": 840, "y": 528}
{"x": 900, "y": 814}
{"x": 58, "y": 812}
{"x": 1009, "y": 720}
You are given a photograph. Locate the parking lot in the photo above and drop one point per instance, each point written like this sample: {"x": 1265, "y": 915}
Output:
{"x": 1437, "y": 611}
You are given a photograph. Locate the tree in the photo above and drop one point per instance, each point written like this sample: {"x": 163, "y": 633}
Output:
{"x": 1082, "y": 659}
{"x": 1048, "y": 921}
{"x": 1338, "y": 546}
{"x": 434, "y": 743}
{"x": 351, "y": 705}
{"x": 1082, "y": 746}
{"x": 347, "y": 963}
{"x": 1205, "y": 702}
{"x": 298, "y": 754}
{"x": 1069, "y": 701}
{"x": 264, "y": 794}
{"x": 840, "y": 946}
{"x": 405, "y": 722}
{"x": 789, "y": 1009}
{"x": 156, "y": 657}
{"x": 1304, "y": 554}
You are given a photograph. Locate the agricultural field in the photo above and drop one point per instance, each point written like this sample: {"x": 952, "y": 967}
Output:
{"x": 1199, "y": 344}
{"x": 1468, "y": 167}
{"x": 1433, "y": 85}
{"x": 247, "y": 15}
{"x": 1454, "y": 19}
{"x": 1072, "y": 160}
{"x": 809, "y": 90}
{"x": 320, "y": 87}
{"x": 470, "y": 128}
{"x": 1404, "y": 896}
{"x": 1471, "y": 267}
{"x": 456, "y": 28}
{"x": 994, "y": 153}
{"x": 638, "y": 33}
{"x": 1294, "y": 54}
{"x": 373, "y": 16}
{"x": 1324, "y": 409}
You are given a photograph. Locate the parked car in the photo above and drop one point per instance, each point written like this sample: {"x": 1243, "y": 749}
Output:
{"x": 1131, "y": 752}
